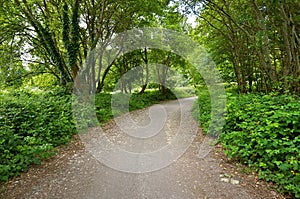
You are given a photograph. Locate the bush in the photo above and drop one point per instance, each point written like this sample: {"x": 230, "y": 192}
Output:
{"x": 210, "y": 114}
{"x": 202, "y": 109}
{"x": 263, "y": 131}
{"x": 30, "y": 126}
{"x": 33, "y": 124}
{"x": 126, "y": 102}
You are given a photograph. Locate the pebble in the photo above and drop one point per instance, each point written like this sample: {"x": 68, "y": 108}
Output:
{"x": 225, "y": 180}
{"x": 234, "y": 182}
{"x": 231, "y": 180}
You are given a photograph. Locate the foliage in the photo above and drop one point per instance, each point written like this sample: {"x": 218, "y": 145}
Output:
{"x": 138, "y": 101}
{"x": 209, "y": 109}
{"x": 11, "y": 69}
{"x": 57, "y": 35}
{"x": 184, "y": 92}
{"x": 30, "y": 126}
{"x": 203, "y": 112}
{"x": 134, "y": 101}
{"x": 261, "y": 131}
{"x": 256, "y": 42}
{"x": 42, "y": 81}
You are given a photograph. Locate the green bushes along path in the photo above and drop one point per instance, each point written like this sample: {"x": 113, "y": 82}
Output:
{"x": 263, "y": 132}
{"x": 33, "y": 124}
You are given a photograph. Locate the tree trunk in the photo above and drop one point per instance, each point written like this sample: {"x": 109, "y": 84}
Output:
{"x": 145, "y": 58}
{"x": 264, "y": 52}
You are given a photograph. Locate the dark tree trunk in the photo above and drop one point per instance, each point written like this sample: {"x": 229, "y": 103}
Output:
{"x": 145, "y": 58}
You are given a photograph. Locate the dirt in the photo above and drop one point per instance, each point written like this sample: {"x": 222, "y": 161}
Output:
{"x": 75, "y": 172}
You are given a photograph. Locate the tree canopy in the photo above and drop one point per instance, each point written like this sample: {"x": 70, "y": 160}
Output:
{"x": 254, "y": 43}
{"x": 256, "y": 40}
{"x": 50, "y": 47}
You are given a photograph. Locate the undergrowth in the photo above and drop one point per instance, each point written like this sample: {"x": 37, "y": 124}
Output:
{"x": 263, "y": 132}
{"x": 32, "y": 124}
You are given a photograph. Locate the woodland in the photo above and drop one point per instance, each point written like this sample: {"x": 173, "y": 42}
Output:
{"x": 254, "y": 45}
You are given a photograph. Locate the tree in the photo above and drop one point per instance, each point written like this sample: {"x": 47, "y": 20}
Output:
{"x": 60, "y": 34}
{"x": 252, "y": 36}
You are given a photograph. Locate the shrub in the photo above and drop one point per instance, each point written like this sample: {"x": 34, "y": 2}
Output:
{"x": 33, "y": 124}
{"x": 210, "y": 114}
{"x": 202, "y": 109}
{"x": 30, "y": 126}
{"x": 263, "y": 131}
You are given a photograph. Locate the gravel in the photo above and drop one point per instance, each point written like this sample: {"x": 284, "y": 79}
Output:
{"x": 78, "y": 172}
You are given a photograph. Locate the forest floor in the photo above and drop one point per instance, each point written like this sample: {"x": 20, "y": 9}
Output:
{"x": 78, "y": 172}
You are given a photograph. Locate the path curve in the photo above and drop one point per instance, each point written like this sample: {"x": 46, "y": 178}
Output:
{"x": 75, "y": 173}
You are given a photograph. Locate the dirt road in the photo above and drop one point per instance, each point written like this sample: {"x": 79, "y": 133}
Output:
{"x": 121, "y": 167}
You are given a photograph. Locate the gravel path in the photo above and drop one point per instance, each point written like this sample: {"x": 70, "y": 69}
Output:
{"x": 92, "y": 165}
